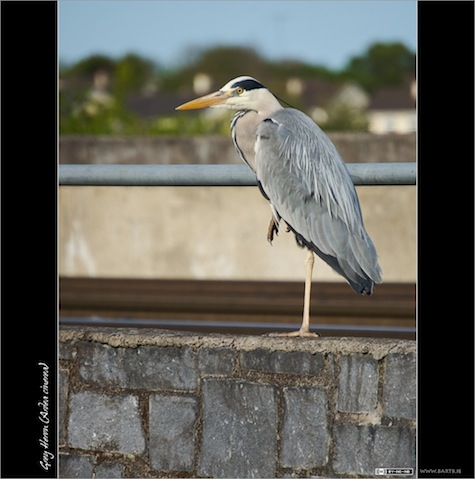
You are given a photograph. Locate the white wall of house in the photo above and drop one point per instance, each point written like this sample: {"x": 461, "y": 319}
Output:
{"x": 392, "y": 121}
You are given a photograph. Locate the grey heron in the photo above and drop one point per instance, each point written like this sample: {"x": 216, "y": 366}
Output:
{"x": 302, "y": 175}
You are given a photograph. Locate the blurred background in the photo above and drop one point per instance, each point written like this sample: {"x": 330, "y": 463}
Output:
{"x": 125, "y": 66}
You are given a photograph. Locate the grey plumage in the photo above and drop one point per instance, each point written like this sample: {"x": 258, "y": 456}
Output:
{"x": 308, "y": 184}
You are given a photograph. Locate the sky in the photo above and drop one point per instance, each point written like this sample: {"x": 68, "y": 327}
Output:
{"x": 317, "y": 32}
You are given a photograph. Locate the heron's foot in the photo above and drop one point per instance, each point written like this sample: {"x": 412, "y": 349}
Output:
{"x": 273, "y": 228}
{"x": 296, "y": 334}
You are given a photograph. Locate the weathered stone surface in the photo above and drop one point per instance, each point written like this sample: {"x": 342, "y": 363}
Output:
{"x": 305, "y": 436}
{"x": 105, "y": 422}
{"x": 172, "y": 150}
{"x": 213, "y": 420}
{"x": 131, "y": 338}
{"x": 399, "y": 388}
{"x": 63, "y": 382}
{"x": 142, "y": 367}
{"x": 66, "y": 351}
{"x": 357, "y": 383}
{"x": 71, "y": 465}
{"x": 361, "y": 449}
{"x": 172, "y": 432}
{"x": 353, "y": 146}
{"x": 239, "y": 430}
{"x": 216, "y": 361}
{"x": 290, "y": 362}
{"x": 108, "y": 470}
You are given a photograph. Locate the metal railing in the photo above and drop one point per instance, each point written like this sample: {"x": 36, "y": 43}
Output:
{"x": 215, "y": 175}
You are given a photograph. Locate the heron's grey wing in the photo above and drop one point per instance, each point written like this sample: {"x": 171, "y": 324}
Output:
{"x": 307, "y": 183}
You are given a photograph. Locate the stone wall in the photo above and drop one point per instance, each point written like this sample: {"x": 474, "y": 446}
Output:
{"x": 145, "y": 403}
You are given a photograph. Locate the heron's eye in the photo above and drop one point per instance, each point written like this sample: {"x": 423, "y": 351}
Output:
{"x": 239, "y": 90}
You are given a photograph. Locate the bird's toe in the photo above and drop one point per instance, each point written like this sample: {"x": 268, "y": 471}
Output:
{"x": 273, "y": 229}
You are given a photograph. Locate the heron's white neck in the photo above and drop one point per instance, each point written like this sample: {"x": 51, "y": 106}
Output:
{"x": 266, "y": 102}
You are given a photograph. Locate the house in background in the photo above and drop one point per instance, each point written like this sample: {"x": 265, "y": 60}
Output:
{"x": 387, "y": 110}
{"x": 393, "y": 110}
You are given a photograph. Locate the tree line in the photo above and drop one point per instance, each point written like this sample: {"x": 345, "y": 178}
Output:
{"x": 380, "y": 65}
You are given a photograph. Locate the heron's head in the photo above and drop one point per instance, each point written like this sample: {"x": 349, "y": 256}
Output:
{"x": 242, "y": 93}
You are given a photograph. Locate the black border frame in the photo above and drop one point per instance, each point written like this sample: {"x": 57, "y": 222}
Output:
{"x": 29, "y": 302}
{"x": 445, "y": 315}
{"x": 445, "y": 235}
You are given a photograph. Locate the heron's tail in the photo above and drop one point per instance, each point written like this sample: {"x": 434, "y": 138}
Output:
{"x": 361, "y": 281}
{"x": 362, "y": 284}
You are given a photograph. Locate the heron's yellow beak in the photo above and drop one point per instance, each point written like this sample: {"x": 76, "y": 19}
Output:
{"x": 212, "y": 99}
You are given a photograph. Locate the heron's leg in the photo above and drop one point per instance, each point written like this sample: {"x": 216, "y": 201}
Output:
{"x": 309, "y": 262}
{"x": 304, "y": 330}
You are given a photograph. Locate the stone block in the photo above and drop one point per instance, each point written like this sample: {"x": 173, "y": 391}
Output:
{"x": 172, "y": 432}
{"x": 105, "y": 423}
{"x": 109, "y": 470}
{"x": 142, "y": 367}
{"x": 67, "y": 351}
{"x": 72, "y": 465}
{"x": 63, "y": 381}
{"x": 216, "y": 361}
{"x": 399, "y": 387}
{"x": 239, "y": 429}
{"x": 286, "y": 362}
{"x": 361, "y": 449}
{"x": 357, "y": 383}
{"x": 305, "y": 436}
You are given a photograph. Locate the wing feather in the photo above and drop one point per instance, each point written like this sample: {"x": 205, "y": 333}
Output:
{"x": 307, "y": 183}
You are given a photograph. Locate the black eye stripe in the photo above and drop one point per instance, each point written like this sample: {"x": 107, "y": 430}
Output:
{"x": 248, "y": 84}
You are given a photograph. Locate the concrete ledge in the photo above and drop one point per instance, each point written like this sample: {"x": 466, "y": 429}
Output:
{"x": 355, "y": 147}
{"x": 148, "y": 403}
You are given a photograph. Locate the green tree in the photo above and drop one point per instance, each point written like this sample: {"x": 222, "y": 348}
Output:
{"x": 344, "y": 117}
{"x": 92, "y": 97}
{"x": 89, "y": 115}
{"x": 220, "y": 63}
{"x": 89, "y": 66}
{"x": 383, "y": 64}
{"x": 132, "y": 72}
